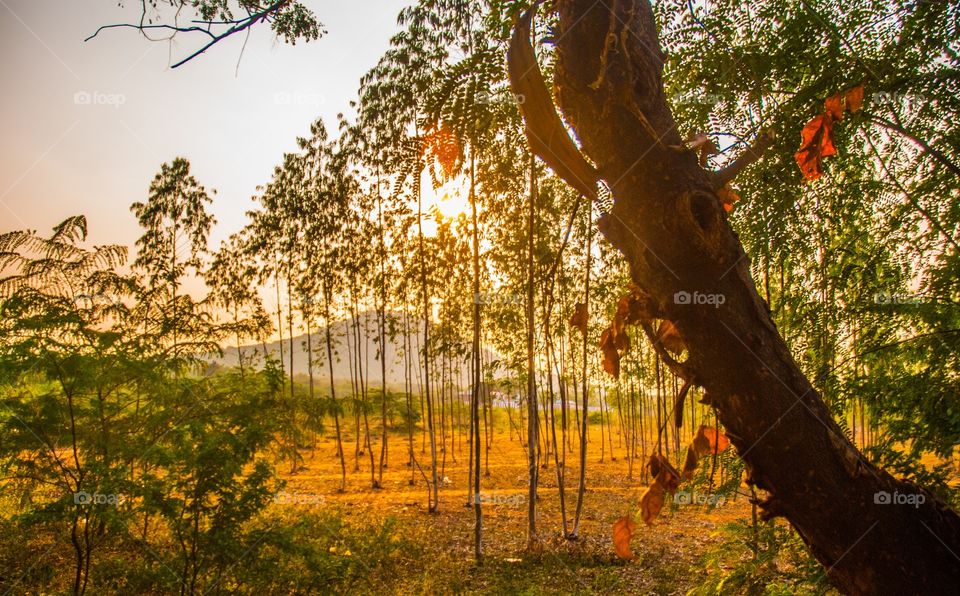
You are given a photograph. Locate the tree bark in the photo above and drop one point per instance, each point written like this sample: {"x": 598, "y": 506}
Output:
{"x": 669, "y": 224}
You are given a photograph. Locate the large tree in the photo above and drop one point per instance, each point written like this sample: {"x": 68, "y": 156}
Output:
{"x": 670, "y": 225}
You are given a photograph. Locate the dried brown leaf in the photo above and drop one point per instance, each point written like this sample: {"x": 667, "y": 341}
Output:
{"x": 623, "y": 530}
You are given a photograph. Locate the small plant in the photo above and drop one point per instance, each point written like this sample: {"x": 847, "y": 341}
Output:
{"x": 761, "y": 558}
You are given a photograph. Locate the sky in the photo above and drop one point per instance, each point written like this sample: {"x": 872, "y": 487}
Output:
{"x": 86, "y": 125}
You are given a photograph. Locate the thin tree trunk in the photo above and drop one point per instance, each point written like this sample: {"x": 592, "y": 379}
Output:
{"x": 382, "y": 320}
{"x": 294, "y": 454}
{"x": 434, "y": 489}
{"x": 585, "y": 390}
{"x": 475, "y": 369}
{"x": 333, "y": 390}
{"x": 408, "y": 386}
{"x": 533, "y": 540}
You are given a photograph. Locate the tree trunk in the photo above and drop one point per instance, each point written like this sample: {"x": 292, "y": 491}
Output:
{"x": 533, "y": 418}
{"x": 474, "y": 479}
{"x": 584, "y": 408}
{"x": 433, "y": 495}
{"x": 671, "y": 227}
{"x": 382, "y": 321}
{"x": 333, "y": 389}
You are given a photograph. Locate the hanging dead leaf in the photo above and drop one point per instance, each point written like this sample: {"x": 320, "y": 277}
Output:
{"x": 611, "y": 356}
{"x": 442, "y": 145}
{"x": 669, "y": 477}
{"x": 706, "y": 150}
{"x": 669, "y": 337}
{"x": 816, "y": 143}
{"x": 727, "y": 197}
{"x": 662, "y": 471}
{"x": 634, "y": 307}
{"x": 678, "y": 404}
{"x": 834, "y": 106}
{"x": 579, "y": 317}
{"x": 618, "y": 334}
{"x": 709, "y": 440}
{"x": 623, "y": 530}
{"x": 718, "y": 441}
{"x": 850, "y": 100}
{"x": 651, "y": 503}
{"x": 700, "y": 444}
{"x": 621, "y": 340}
{"x": 854, "y": 99}
{"x": 817, "y": 136}
{"x": 690, "y": 463}
{"x": 653, "y": 465}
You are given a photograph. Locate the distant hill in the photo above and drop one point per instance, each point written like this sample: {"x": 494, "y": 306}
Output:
{"x": 341, "y": 367}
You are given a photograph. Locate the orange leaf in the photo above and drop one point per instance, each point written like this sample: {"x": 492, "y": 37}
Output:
{"x": 669, "y": 477}
{"x": 834, "y": 106}
{"x": 651, "y": 503}
{"x": 708, "y": 440}
{"x": 854, "y": 99}
{"x": 850, "y": 100}
{"x": 817, "y": 136}
{"x": 579, "y": 317}
{"x": 727, "y": 197}
{"x": 690, "y": 464}
{"x": 706, "y": 147}
{"x": 611, "y": 357}
{"x": 444, "y": 146}
{"x": 623, "y": 530}
{"x": 654, "y": 465}
{"x": 816, "y": 143}
{"x": 634, "y": 307}
{"x": 663, "y": 472}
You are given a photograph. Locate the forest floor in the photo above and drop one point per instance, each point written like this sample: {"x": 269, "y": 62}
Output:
{"x": 667, "y": 555}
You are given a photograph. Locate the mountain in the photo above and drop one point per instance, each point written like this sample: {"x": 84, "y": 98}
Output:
{"x": 369, "y": 349}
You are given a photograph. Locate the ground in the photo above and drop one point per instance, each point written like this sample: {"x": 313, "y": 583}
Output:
{"x": 667, "y": 554}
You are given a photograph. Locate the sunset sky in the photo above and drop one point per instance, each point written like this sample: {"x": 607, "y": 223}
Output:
{"x": 87, "y": 125}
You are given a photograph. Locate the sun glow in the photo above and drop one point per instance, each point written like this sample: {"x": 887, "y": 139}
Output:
{"x": 450, "y": 200}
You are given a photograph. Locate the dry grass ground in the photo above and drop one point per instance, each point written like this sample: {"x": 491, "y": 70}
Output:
{"x": 667, "y": 554}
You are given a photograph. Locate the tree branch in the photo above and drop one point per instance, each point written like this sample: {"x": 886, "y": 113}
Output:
{"x": 677, "y": 368}
{"x": 173, "y": 28}
{"x": 236, "y": 26}
{"x": 934, "y": 153}
{"x": 751, "y": 154}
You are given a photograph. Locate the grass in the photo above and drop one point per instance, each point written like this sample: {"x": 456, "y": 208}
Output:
{"x": 667, "y": 554}
{"x": 318, "y": 540}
